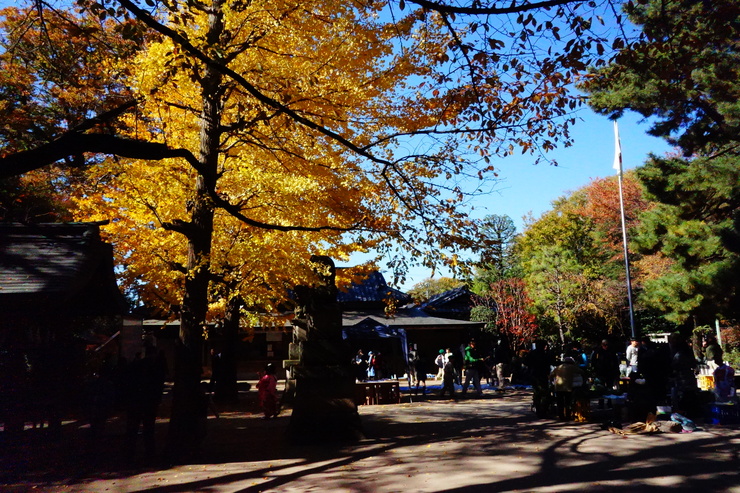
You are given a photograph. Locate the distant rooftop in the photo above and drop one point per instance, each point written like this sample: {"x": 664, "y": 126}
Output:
{"x": 371, "y": 292}
{"x": 408, "y": 318}
{"x": 453, "y": 303}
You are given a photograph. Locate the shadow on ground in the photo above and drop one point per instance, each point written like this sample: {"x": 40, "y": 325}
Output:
{"x": 474, "y": 445}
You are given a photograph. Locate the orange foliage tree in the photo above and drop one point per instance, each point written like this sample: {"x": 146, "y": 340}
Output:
{"x": 507, "y": 308}
{"x": 573, "y": 258}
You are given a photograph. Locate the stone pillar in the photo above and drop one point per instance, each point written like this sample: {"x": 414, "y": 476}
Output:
{"x": 320, "y": 373}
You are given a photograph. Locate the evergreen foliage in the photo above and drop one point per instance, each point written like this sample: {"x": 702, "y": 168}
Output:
{"x": 696, "y": 202}
{"x": 683, "y": 71}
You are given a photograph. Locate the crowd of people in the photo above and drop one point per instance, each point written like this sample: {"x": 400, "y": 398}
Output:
{"x": 565, "y": 378}
{"x": 370, "y": 367}
{"x": 652, "y": 375}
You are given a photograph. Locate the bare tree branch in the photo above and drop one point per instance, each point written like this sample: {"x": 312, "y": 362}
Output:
{"x": 233, "y": 210}
{"x": 444, "y": 8}
{"x": 105, "y": 116}
{"x": 74, "y": 143}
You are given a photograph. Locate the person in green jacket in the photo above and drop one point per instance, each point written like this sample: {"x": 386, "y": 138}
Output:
{"x": 473, "y": 368}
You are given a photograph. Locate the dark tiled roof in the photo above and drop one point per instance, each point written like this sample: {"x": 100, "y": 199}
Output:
{"x": 451, "y": 295}
{"x": 365, "y": 301}
{"x": 453, "y": 303}
{"x": 371, "y": 327}
{"x": 372, "y": 292}
{"x": 404, "y": 318}
{"x": 36, "y": 259}
{"x": 54, "y": 262}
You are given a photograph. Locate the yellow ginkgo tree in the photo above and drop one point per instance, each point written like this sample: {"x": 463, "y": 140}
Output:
{"x": 263, "y": 191}
{"x": 260, "y": 132}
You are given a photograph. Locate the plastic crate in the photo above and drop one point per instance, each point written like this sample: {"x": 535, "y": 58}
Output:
{"x": 722, "y": 414}
{"x": 706, "y": 382}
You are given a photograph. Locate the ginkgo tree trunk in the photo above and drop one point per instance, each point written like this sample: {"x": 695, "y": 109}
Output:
{"x": 199, "y": 232}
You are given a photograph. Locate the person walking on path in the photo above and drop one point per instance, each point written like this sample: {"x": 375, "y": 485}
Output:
{"x": 712, "y": 352}
{"x": 576, "y": 352}
{"x": 450, "y": 377}
{"x": 684, "y": 394}
{"x": 632, "y": 355}
{"x": 360, "y": 365}
{"x": 458, "y": 362}
{"x": 605, "y": 365}
{"x": 144, "y": 383}
{"x": 420, "y": 372}
{"x": 439, "y": 361}
{"x": 724, "y": 382}
{"x": 654, "y": 364}
{"x": 566, "y": 377}
{"x": 473, "y": 366}
{"x": 501, "y": 359}
{"x": 267, "y": 392}
{"x": 217, "y": 368}
{"x": 374, "y": 365}
{"x": 539, "y": 362}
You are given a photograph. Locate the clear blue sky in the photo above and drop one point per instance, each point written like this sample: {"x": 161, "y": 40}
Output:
{"x": 525, "y": 187}
{"x": 532, "y": 188}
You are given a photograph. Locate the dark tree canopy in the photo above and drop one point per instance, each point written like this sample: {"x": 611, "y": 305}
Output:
{"x": 683, "y": 70}
{"x": 497, "y": 233}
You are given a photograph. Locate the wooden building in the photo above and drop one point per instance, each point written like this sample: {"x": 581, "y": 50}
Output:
{"x": 428, "y": 328}
{"x": 58, "y": 295}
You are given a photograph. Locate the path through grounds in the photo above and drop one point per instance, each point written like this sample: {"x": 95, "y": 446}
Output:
{"x": 493, "y": 444}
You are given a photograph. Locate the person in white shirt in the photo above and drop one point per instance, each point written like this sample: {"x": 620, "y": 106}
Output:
{"x": 632, "y": 351}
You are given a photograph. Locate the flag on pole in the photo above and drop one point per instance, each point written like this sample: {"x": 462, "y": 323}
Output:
{"x": 617, "y": 150}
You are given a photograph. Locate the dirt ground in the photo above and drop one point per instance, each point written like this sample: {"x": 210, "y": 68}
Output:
{"x": 494, "y": 443}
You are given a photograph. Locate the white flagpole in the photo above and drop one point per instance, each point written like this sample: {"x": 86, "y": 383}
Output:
{"x": 618, "y": 168}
